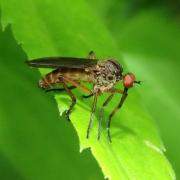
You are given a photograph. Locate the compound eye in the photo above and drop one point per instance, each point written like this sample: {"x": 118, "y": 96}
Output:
{"x": 128, "y": 80}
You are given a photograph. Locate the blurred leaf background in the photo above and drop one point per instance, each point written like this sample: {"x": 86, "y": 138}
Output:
{"x": 148, "y": 36}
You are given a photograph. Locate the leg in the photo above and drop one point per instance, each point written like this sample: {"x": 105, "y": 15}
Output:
{"x": 115, "y": 110}
{"x": 76, "y": 84}
{"x": 91, "y": 55}
{"x": 59, "y": 89}
{"x": 92, "y": 115}
{"x": 73, "y": 100}
{"x": 87, "y": 96}
{"x": 102, "y": 112}
{"x": 113, "y": 91}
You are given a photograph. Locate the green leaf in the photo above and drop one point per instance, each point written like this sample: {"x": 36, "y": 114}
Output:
{"x": 46, "y": 28}
{"x": 32, "y": 145}
{"x": 151, "y": 42}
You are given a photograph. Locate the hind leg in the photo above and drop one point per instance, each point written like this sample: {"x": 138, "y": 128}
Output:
{"x": 73, "y": 102}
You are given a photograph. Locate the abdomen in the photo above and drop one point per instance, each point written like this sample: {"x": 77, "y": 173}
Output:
{"x": 54, "y": 77}
{"x": 79, "y": 75}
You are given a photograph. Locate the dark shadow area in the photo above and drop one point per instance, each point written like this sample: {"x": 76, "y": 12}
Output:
{"x": 40, "y": 144}
{"x": 128, "y": 9}
{"x": 122, "y": 131}
{"x": 118, "y": 130}
{"x": 7, "y": 170}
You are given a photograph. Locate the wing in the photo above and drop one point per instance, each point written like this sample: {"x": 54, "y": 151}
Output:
{"x": 64, "y": 62}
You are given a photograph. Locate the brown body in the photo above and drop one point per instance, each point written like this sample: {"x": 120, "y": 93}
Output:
{"x": 103, "y": 75}
{"x": 52, "y": 78}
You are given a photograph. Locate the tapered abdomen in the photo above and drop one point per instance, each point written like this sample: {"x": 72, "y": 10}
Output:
{"x": 56, "y": 77}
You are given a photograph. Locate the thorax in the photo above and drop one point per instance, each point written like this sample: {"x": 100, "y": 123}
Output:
{"x": 105, "y": 75}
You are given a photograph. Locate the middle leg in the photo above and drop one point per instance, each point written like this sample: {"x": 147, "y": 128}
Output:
{"x": 92, "y": 114}
{"x": 102, "y": 112}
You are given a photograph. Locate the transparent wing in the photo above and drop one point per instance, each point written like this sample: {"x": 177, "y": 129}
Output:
{"x": 64, "y": 62}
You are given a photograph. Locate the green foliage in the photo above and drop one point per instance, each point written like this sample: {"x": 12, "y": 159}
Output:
{"x": 44, "y": 28}
{"x": 150, "y": 42}
{"x": 32, "y": 137}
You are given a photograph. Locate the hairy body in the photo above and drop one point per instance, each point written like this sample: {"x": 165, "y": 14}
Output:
{"x": 103, "y": 76}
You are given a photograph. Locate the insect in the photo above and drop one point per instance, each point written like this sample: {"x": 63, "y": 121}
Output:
{"x": 102, "y": 74}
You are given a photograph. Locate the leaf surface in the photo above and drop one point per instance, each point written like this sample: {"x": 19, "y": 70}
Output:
{"x": 46, "y": 28}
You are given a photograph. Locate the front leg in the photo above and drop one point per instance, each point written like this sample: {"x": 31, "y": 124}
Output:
{"x": 112, "y": 91}
{"x": 125, "y": 93}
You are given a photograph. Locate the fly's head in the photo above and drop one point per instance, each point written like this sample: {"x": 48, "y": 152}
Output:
{"x": 129, "y": 80}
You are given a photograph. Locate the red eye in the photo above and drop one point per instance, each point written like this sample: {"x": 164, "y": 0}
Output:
{"x": 128, "y": 80}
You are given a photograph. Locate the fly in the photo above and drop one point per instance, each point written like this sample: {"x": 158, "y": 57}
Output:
{"x": 102, "y": 74}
